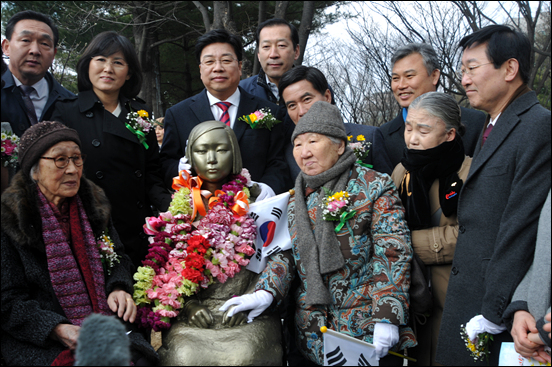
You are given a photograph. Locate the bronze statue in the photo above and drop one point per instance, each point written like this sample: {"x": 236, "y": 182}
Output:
{"x": 202, "y": 335}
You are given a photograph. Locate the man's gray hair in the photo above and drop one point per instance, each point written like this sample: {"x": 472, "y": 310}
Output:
{"x": 431, "y": 62}
{"x": 442, "y": 106}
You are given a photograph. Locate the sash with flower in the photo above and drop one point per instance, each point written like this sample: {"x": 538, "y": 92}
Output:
{"x": 191, "y": 246}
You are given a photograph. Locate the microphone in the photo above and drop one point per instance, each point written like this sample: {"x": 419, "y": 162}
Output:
{"x": 102, "y": 341}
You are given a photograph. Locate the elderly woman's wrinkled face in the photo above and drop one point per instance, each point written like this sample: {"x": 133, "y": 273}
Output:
{"x": 424, "y": 131}
{"x": 55, "y": 183}
{"x": 316, "y": 153}
{"x": 212, "y": 156}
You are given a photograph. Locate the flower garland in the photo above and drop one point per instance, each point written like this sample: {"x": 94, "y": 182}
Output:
{"x": 10, "y": 148}
{"x": 183, "y": 259}
{"x": 480, "y": 347}
{"x": 140, "y": 125}
{"x": 107, "y": 252}
{"x": 261, "y": 119}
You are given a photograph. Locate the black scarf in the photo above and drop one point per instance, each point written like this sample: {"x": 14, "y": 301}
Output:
{"x": 423, "y": 167}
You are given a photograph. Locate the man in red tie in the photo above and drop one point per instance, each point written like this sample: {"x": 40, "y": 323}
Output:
{"x": 219, "y": 55}
{"x": 500, "y": 202}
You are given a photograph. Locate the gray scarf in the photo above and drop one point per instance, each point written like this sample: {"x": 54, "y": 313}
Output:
{"x": 320, "y": 251}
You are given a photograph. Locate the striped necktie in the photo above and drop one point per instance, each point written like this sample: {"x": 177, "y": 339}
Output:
{"x": 225, "y": 116}
{"x": 29, "y": 106}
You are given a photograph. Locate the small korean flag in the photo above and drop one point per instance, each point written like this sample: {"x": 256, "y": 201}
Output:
{"x": 344, "y": 350}
{"x": 270, "y": 216}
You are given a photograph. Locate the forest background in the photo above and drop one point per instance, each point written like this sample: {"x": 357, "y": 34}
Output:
{"x": 351, "y": 42}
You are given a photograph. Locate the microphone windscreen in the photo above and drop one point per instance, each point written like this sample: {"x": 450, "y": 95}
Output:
{"x": 102, "y": 341}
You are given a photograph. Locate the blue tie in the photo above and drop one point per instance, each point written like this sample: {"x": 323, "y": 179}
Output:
{"x": 29, "y": 106}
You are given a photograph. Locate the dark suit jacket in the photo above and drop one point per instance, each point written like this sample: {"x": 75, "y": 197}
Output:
{"x": 13, "y": 107}
{"x": 498, "y": 213}
{"x": 261, "y": 149}
{"x": 129, "y": 173}
{"x": 393, "y": 134}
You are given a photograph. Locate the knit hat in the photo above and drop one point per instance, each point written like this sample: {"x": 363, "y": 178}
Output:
{"x": 39, "y": 138}
{"x": 322, "y": 118}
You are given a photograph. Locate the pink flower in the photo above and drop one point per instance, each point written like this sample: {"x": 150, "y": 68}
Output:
{"x": 242, "y": 261}
{"x": 153, "y": 225}
{"x": 222, "y": 260}
{"x": 167, "y": 313}
{"x": 214, "y": 269}
{"x": 259, "y": 115}
{"x": 222, "y": 277}
{"x": 245, "y": 248}
{"x": 232, "y": 269}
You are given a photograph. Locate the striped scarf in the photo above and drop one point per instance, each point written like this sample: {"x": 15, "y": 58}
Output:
{"x": 75, "y": 271}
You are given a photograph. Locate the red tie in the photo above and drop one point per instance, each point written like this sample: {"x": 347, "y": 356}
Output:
{"x": 486, "y": 134}
{"x": 225, "y": 116}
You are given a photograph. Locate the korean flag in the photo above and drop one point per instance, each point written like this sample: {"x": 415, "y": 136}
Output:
{"x": 272, "y": 229}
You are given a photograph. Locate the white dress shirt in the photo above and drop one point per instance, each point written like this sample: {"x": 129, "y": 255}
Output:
{"x": 39, "y": 96}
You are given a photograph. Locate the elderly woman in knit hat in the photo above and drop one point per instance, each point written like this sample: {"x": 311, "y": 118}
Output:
{"x": 350, "y": 251}
{"x": 61, "y": 256}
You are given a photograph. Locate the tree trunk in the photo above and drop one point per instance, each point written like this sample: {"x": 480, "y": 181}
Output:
{"x": 305, "y": 28}
{"x": 205, "y": 15}
{"x": 220, "y": 8}
{"x": 261, "y": 18}
{"x": 280, "y": 9}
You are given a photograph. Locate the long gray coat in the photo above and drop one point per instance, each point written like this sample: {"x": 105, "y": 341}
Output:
{"x": 498, "y": 213}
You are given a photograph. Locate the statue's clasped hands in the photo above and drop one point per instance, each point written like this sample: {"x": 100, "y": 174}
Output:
{"x": 200, "y": 316}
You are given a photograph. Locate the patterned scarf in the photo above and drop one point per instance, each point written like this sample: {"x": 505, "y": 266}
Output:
{"x": 320, "y": 251}
{"x": 68, "y": 265}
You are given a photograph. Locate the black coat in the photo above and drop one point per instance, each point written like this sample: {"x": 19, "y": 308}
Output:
{"x": 393, "y": 134}
{"x": 117, "y": 162}
{"x": 262, "y": 150}
{"x": 13, "y": 107}
{"x": 30, "y": 309}
{"x": 498, "y": 214}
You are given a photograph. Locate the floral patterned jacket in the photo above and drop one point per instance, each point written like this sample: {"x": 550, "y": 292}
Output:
{"x": 371, "y": 287}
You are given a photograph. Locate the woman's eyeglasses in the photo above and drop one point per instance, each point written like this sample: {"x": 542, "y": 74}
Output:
{"x": 62, "y": 162}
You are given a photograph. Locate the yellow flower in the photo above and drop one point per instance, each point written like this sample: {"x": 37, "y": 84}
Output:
{"x": 253, "y": 117}
{"x": 143, "y": 113}
{"x": 349, "y": 138}
{"x": 360, "y": 138}
{"x": 340, "y": 195}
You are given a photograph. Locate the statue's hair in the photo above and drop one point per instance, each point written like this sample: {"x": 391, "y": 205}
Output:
{"x": 211, "y": 125}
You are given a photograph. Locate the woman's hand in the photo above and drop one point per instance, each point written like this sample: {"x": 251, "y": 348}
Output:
{"x": 66, "y": 334}
{"x": 122, "y": 304}
{"x": 523, "y": 324}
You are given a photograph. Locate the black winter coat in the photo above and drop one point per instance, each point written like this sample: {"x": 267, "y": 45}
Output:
{"x": 116, "y": 161}
{"x": 30, "y": 309}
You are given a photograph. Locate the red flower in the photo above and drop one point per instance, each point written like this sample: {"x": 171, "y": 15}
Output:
{"x": 194, "y": 260}
{"x": 192, "y": 275}
{"x": 198, "y": 243}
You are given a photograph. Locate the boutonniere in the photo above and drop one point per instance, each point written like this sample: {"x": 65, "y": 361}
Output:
{"x": 10, "y": 148}
{"x": 261, "y": 119}
{"x": 361, "y": 148}
{"x": 480, "y": 347}
{"x": 107, "y": 251}
{"x": 140, "y": 125}
{"x": 334, "y": 208}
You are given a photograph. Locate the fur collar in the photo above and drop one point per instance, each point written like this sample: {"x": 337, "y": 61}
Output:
{"x": 21, "y": 219}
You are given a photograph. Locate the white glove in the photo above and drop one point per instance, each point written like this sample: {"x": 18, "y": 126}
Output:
{"x": 385, "y": 336}
{"x": 184, "y": 165}
{"x": 266, "y": 191}
{"x": 257, "y": 302}
{"x": 479, "y": 324}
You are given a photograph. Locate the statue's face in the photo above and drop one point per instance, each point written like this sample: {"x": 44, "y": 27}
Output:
{"x": 212, "y": 156}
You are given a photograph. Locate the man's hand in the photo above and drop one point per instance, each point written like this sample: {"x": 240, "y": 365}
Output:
{"x": 523, "y": 324}
{"x": 122, "y": 304}
{"x": 66, "y": 334}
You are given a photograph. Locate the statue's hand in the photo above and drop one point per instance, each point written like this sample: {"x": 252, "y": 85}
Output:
{"x": 260, "y": 191}
{"x": 237, "y": 319}
{"x": 198, "y": 315}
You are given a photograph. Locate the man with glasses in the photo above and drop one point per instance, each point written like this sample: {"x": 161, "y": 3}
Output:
{"x": 30, "y": 92}
{"x": 219, "y": 55}
{"x": 415, "y": 72}
{"x": 501, "y": 199}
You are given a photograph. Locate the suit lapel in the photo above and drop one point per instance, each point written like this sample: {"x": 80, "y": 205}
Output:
{"x": 503, "y": 127}
{"x": 247, "y": 106}
{"x": 201, "y": 108}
